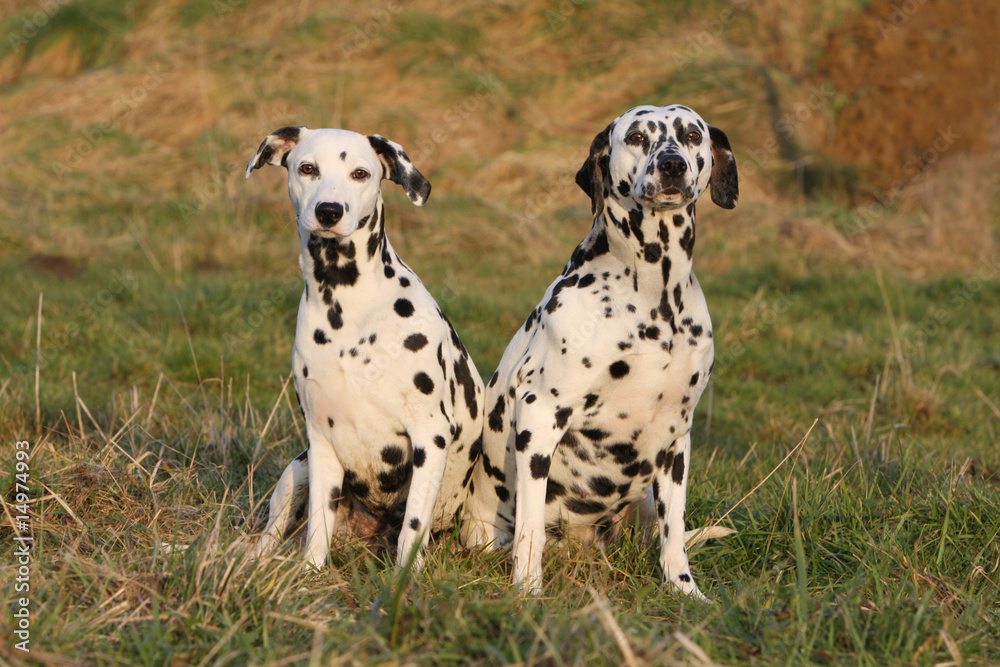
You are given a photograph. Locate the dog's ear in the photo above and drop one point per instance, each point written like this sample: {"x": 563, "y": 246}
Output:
{"x": 274, "y": 149}
{"x": 592, "y": 174}
{"x": 399, "y": 169}
{"x": 724, "y": 181}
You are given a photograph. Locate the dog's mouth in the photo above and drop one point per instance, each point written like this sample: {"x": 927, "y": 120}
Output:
{"x": 325, "y": 233}
{"x": 667, "y": 197}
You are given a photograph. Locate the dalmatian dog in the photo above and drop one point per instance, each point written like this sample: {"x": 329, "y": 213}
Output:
{"x": 593, "y": 399}
{"x": 391, "y": 400}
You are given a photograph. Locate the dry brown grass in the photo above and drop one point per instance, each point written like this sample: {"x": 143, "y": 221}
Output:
{"x": 196, "y": 103}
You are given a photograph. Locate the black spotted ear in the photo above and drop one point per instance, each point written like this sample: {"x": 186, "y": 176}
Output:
{"x": 724, "y": 181}
{"x": 594, "y": 171}
{"x": 274, "y": 149}
{"x": 399, "y": 169}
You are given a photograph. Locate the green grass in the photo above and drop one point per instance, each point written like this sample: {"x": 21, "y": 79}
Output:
{"x": 887, "y": 554}
{"x": 164, "y": 417}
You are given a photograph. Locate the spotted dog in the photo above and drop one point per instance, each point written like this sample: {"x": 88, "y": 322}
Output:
{"x": 388, "y": 392}
{"x": 594, "y": 396}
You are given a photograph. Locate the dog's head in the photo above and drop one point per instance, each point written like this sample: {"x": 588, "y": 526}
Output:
{"x": 335, "y": 176}
{"x": 660, "y": 158}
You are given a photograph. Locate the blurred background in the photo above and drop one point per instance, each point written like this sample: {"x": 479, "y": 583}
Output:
{"x": 863, "y": 246}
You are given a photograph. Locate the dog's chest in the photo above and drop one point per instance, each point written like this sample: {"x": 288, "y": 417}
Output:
{"x": 348, "y": 383}
{"x": 652, "y": 372}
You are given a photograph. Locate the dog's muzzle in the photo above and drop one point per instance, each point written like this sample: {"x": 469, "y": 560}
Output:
{"x": 669, "y": 186}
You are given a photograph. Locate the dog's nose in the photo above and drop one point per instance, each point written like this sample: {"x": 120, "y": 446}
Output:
{"x": 329, "y": 213}
{"x": 672, "y": 165}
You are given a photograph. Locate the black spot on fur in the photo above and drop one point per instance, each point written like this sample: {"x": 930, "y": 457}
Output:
{"x": 423, "y": 382}
{"x": 415, "y": 342}
{"x": 439, "y": 442}
{"x": 586, "y": 281}
{"x": 333, "y": 315}
{"x": 687, "y": 241}
{"x": 463, "y": 375}
{"x": 521, "y": 440}
{"x": 553, "y": 490}
{"x": 665, "y": 459}
{"x": 635, "y": 224}
{"x": 419, "y": 456}
{"x": 553, "y": 303}
{"x": 496, "y": 414}
{"x": 493, "y": 471}
{"x": 694, "y": 379}
{"x": 391, "y": 481}
{"x": 624, "y": 452}
{"x": 327, "y": 255}
{"x": 540, "y": 466}
{"x": 355, "y": 486}
{"x": 392, "y": 455}
{"x": 677, "y": 474}
{"x": 403, "y": 307}
{"x": 578, "y": 506}
{"x": 562, "y": 416}
{"x": 594, "y": 434}
{"x": 652, "y": 252}
{"x": 502, "y": 493}
{"x": 531, "y": 320}
{"x": 619, "y": 369}
{"x": 643, "y": 467}
{"x": 602, "y": 486}
{"x": 415, "y": 523}
{"x": 590, "y": 401}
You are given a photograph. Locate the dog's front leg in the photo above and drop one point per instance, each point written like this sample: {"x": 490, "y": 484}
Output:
{"x": 670, "y": 494}
{"x": 288, "y": 504}
{"x": 534, "y": 443}
{"x": 326, "y": 479}
{"x": 429, "y": 458}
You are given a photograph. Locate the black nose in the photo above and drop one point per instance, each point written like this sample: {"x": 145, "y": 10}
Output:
{"x": 329, "y": 213}
{"x": 672, "y": 165}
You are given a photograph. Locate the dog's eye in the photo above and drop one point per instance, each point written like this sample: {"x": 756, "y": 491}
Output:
{"x": 359, "y": 174}
{"x": 636, "y": 138}
{"x": 693, "y": 136}
{"x": 307, "y": 169}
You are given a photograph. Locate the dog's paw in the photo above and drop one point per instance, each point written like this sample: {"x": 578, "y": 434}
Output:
{"x": 685, "y": 583}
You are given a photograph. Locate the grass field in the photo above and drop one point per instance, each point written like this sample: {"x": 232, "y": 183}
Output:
{"x": 147, "y": 315}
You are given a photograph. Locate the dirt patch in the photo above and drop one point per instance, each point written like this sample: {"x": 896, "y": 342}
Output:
{"x": 920, "y": 82}
{"x": 59, "y": 265}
